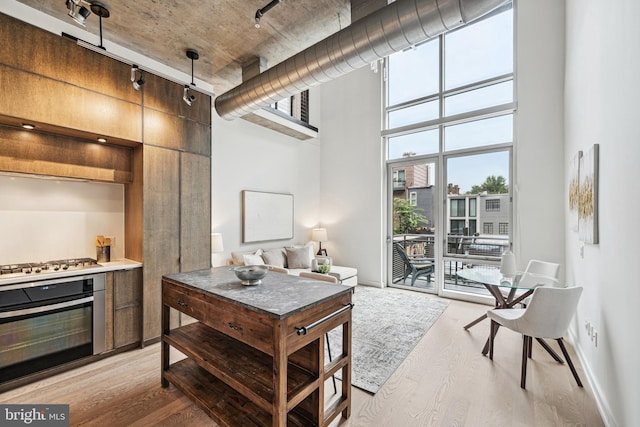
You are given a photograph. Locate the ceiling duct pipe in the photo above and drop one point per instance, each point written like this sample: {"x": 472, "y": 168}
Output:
{"x": 391, "y": 29}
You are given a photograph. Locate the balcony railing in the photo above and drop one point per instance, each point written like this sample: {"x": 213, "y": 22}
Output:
{"x": 490, "y": 247}
{"x": 399, "y": 184}
{"x": 461, "y": 251}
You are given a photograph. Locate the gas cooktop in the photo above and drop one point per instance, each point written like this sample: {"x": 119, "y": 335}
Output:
{"x": 36, "y": 268}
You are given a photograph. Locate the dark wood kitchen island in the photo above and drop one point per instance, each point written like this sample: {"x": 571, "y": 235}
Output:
{"x": 256, "y": 354}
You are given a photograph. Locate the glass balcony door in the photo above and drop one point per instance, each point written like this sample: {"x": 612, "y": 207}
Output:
{"x": 477, "y": 212}
{"x": 413, "y": 215}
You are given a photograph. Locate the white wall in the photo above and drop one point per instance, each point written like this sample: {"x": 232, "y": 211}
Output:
{"x": 539, "y": 155}
{"x": 48, "y": 219}
{"x": 246, "y": 156}
{"x": 602, "y": 89}
{"x": 352, "y": 173}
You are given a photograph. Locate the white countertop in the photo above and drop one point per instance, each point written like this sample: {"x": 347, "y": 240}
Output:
{"x": 119, "y": 264}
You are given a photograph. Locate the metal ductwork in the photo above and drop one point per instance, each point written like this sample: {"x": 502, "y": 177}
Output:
{"x": 393, "y": 28}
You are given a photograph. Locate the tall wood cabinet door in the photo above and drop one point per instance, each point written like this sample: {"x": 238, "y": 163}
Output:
{"x": 161, "y": 230}
{"x": 127, "y": 305}
{"x": 195, "y": 213}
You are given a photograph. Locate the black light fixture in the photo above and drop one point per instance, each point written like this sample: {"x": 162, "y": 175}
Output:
{"x": 260, "y": 12}
{"x": 102, "y": 11}
{"x": 80, "y": 13}
{"x": 186, "y": 96}
{"x": 135, "y": 81}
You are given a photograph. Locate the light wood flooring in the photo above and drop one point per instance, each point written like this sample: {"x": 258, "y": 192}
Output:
{"x": 445, "y": 381}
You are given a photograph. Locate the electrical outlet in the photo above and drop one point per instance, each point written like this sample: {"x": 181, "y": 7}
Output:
{"x": 587, "y": 327}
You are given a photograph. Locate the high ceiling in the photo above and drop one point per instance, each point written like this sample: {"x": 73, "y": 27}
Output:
{"x": 222, "y": 31}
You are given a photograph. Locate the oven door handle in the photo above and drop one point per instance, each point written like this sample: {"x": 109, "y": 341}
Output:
{"x": 44, "y": 308}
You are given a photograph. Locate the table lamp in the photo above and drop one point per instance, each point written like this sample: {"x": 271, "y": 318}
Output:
{"x": 216, "y": 243}
{"x": 320, "y": 235}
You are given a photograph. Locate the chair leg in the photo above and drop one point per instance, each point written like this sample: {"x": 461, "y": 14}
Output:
{"x": 550, "y": 350}
{"x": 569, "y": 362}
{"x": 492, "y": 335}
{"x": 525, "y": 353}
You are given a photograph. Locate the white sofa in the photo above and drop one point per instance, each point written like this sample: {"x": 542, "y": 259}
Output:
{"x": 294, "y": 259}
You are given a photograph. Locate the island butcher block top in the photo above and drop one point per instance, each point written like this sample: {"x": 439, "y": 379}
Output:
{"x": 256, "y": 355}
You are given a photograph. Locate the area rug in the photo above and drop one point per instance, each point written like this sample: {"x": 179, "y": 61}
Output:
{"x": 387, "y": 325}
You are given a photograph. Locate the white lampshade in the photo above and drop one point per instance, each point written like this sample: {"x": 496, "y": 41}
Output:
{"x": 508, "y": 264}
{"x": 319, "y": 235}
{"x": 216, "y": 243}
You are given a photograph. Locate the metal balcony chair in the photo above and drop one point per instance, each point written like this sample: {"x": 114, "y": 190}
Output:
{"x": 415, "y": 269}
{"x": 547, "y": 316}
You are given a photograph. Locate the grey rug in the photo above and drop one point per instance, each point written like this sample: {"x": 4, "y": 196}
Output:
{"x": 387, "y": 325}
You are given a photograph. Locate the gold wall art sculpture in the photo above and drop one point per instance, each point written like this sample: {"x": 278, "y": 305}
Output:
{"x": 588, "y": 195}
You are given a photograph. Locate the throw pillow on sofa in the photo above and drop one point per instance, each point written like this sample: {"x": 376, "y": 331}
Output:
{"x": 253, "y": 259}
{"x": 276, "y": 257}
{"x": 299, "y": 257}
{"x": 237, "y": 257}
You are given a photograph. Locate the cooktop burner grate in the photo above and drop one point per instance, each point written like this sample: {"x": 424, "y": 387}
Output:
{"x": 49, "y": 266}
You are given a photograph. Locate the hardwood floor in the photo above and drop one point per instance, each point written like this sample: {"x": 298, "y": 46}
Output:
{"x": 445, "y": 381}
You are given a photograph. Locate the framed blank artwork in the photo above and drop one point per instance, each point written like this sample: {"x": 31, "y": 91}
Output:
{"x": 266, "y": 216}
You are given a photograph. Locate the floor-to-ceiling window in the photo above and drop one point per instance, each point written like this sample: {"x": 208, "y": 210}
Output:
{"x": 449, "y": 106}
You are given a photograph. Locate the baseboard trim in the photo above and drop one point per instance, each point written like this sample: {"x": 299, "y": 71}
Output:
{"x": 601, "y": 400}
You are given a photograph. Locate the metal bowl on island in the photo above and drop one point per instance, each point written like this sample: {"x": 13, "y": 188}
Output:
{"x": 250, "y": 275}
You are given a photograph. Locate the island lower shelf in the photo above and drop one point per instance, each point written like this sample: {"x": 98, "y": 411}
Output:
{"x": 222, "y": 403}
{"x": 240, "y": 366}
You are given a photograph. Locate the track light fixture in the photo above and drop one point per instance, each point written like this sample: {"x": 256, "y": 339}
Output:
{"x": 137, "y": 82}
{"x": 186, "y": 96}
{"x": 77, "y": 11}
{"x": 260, "y": 12}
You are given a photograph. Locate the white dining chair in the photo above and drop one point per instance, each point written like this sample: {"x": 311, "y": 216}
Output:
{"x": 547, "y": 316}
{"x": 277, "y": 269}
{"x": 319, "y": 276}
{"x": 539, "y": 273}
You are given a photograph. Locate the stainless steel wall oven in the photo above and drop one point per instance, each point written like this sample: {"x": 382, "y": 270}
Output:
{"x": 47, "y": 323}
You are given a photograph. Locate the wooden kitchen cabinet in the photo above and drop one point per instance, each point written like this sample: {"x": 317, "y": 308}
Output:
{"x": 123, "y": 307}
{"x": 127, "y": 307}
{"x": 158, "y": 147}
{"x": 177, "y": 222}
